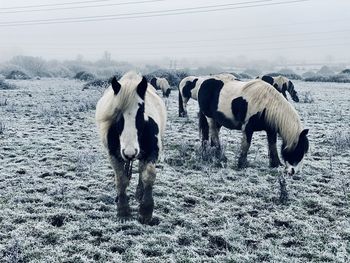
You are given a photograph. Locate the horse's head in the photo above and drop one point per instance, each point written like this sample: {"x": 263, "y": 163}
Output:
{"x": 293, "y": 157}
{"x": 154, "y": 83}
{"x": 292, "y": 91}
{"x": 130, "y": 100}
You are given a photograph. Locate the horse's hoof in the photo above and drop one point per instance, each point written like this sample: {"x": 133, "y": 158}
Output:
{"x": 149, "y": 220}
{"x": 124, "y": 212}
{"x": 242, "y": 165}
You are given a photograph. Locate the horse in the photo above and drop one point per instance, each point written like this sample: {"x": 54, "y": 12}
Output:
{"x": 131, "y": 120}
{"x": 161, "y": 84}
{"x": 282, "y": 84}
{"x": 189, "y": 86}
{"x": 252, "y": 106}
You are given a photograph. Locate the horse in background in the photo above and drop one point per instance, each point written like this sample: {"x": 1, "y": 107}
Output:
{"x": 161, "y": 84}
{"x": 252, "y": 106}
{"x": 131, "y": 120}
{"x": 188, "y": 88}
{"x": 282, "y": 84}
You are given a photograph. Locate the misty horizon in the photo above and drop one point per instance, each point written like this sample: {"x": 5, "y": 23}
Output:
{"x": 200, "y": 32}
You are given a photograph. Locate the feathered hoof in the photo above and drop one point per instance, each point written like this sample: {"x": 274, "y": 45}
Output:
{"x": 124, "y": 212}
{"x": 151, "y": 221}
{"x": 145, "y": 220}
{"x": 242, "y": 164}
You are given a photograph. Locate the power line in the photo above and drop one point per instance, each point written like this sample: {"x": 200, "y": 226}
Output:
{"x": 80, "y": 7}
{"x": 59, "y": 4}
{"x": 179, "y": 11}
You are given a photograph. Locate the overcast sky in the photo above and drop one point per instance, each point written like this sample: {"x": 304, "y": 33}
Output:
{"x": 301, "y": 31}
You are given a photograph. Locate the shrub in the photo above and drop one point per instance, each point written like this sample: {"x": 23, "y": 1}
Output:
{"x": 244, "y": 76}
{"x": 17, "y": 74}
{"x": 35, "y": 66}
{"x": 346, "y": 71}
{"x": 5, "y": 85}
{"x": 97, "y": 83}
{"x": 84, "y": 76}
{"x": 173, "y": 76}
{"x": 340, "y": 78}
{"x": 287, "y": 75}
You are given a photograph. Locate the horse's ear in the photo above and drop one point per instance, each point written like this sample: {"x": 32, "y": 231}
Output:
{"x": 304, "y": 133}
{"x": 115, "y": 85}
{"x": 142, "y": 87}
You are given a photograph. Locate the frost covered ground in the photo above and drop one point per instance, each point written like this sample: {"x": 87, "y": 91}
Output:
{"x": 57, "y": 193}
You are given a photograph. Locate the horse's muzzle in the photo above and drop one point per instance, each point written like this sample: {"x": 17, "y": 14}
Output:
{"x": 129, "y": 155}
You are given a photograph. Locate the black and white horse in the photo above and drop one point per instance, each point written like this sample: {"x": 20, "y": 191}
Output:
{"x": 252, "y": 106}
{"x": 282, "y": 84}
{"x": 188, "y": 88}
{"x": 161, "y": 84}
{"x": 131, "y": 119}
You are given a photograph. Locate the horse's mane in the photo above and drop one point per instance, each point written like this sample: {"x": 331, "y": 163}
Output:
{"x": 111, "y": 105}
{"x": 279, "y": 115}
{"x": 280, "y": 80}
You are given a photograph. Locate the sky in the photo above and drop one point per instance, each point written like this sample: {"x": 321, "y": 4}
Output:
{"x": 293, "y": 31}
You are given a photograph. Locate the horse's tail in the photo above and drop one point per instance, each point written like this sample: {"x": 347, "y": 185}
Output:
{"x": 203, "y": 127}
{"x": 181, "y": 105}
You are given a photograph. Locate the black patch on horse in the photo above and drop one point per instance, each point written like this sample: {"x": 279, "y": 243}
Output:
{"x": 239, "y": 107}
{"x": 148, "y": 141}
{"x": 181, "y": 106}
{"x": 296, "y": 155}
{"x": 115, "y": 85}
{"x": 142, "y": 87}
{"x": 186, "y": 90}
{"x": 208, "y": 96}
{"x": 256, "y": 122}
{"x": 268, "y": 79}
{"x": 154, "y": 83}
{"x": 284, "y": 88}
{"x": 113, "y": 134}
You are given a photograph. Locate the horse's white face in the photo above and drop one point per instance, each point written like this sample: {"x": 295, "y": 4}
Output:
{"x": 129, "y": 143}
{"x": 131, "y": 119}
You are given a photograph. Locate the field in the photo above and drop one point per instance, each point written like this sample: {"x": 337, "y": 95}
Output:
{"x": 57, "y": 197}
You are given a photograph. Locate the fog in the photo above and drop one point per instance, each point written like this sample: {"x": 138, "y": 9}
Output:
{"x": 180, "y": 32}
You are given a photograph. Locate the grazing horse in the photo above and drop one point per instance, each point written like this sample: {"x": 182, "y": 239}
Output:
{"x": 161, "y": 84}
{"x": 252, "y": 106}
{"x": 282, "y": 84}
{"x": 188, "y": 88}
{"x": 131, "y": 119}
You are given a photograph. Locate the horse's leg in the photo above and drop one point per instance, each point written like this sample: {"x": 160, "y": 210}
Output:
{"x": 203, "y": 128}
{"x": 245, "y": 144}
{"x": 148, "y": 176}
{"x": 121, "y": 181}
{"x": 273, "y": 154}
{"x": 214, "y": 129}
{"x": 139, "y": 188}
{"x": 184, "y": 105}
